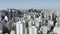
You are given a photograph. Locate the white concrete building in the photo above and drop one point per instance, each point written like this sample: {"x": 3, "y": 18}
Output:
{"x": 44, "y": 29}
{"x": 30, "y": 30}
{"x": 19, "y": 27}
{"x": 57, "y": 30}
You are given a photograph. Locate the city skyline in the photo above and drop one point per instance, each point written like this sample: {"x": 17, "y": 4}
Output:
{"x": 26, "y": 4}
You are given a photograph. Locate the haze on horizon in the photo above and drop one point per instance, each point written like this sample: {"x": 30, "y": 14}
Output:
{"x": 26, "y": 4}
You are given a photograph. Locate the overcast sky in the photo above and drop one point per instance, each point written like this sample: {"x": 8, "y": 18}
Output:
{"x": 25, "y": 4}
